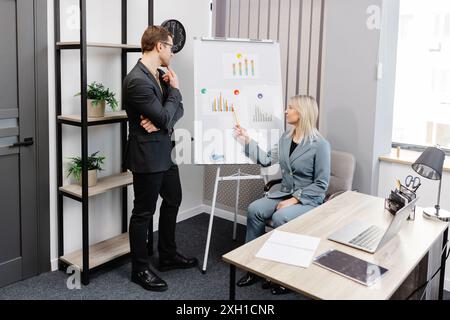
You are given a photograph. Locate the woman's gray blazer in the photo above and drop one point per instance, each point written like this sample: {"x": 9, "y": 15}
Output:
{"x": 305, "y": 174}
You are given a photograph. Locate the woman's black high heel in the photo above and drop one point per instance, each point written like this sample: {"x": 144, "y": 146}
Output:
{"x": 247, "y": 280}
{"x": 277, "y": 289}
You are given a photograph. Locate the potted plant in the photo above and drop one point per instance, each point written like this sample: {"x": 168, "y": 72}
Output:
{"x": 98, "y": 96}
{"x": 95, "y": 164}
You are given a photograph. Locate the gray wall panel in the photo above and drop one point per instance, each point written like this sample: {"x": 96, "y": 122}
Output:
{"x": 274, "y": 19}
{"x": 253, "y": 17}
{"x": 244, "y": 19}
{"x": 305, "y": 36}
{"x": 220, "y": 24}
{"x": 315, "y": 46}
{"x": 234, "y": 19}
{"x": 263, "y": 29}
{"x": 294, "y": 46}
{"x": 226, "y": 13}
{"x": 283, "y": 37}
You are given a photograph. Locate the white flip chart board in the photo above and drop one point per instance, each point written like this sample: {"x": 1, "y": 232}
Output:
{"x": 236, "y": 81}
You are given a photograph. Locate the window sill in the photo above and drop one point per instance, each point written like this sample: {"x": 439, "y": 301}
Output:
{"x": 408, "y": 157}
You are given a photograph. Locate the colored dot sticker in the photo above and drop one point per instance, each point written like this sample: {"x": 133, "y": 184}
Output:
{"x": 236, "y": 92}
{"x": 239, "y": 56}
{"x": 260, "y": 96}
{"x": 204, "y": 91}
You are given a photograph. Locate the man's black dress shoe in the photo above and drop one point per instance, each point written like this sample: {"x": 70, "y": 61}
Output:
{"x": 177, "y": 262}
{"x": 149, "y": 281}
{"x": 247, "y": 280}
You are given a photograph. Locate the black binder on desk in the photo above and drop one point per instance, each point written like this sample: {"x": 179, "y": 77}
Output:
{"x": 356, "y": 269}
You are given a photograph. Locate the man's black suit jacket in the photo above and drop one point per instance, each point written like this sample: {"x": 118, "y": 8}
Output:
{"x": 150, "y": 152}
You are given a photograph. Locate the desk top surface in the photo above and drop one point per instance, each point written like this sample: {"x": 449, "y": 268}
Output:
{"x": 400, "y": 255}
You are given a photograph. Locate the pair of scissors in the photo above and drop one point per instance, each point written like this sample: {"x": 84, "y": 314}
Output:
{"x": 413, "y": 182}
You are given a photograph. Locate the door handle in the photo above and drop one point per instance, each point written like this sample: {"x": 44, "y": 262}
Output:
{"x": 25, "y": 143}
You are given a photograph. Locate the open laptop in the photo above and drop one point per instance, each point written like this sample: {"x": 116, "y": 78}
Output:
{"x": 368, "y": 237}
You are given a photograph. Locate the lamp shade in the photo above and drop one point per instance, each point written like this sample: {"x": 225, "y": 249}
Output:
{"x": 430, "y": 163}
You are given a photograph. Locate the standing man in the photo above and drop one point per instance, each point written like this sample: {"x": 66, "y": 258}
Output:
{"x": 153, "y": 104}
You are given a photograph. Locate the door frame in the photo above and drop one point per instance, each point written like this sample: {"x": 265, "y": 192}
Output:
{"x": 42, "y": 137}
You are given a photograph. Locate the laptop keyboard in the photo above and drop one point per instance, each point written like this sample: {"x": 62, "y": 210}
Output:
{"x": 368, "y": 238}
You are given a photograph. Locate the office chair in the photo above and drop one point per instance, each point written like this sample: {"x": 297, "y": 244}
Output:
{"x": 343, "y": 166}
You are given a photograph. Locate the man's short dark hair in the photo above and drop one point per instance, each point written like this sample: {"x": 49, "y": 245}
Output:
{"x": 153, "y": 35}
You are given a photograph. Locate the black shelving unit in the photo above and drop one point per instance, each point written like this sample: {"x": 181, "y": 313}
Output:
{"x": 119, "y": 245}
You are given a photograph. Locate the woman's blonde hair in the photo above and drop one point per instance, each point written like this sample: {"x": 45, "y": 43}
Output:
{"x": 308, "y": 111}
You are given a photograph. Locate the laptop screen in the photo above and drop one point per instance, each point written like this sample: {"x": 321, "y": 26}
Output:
{"x": 400, "y": 217}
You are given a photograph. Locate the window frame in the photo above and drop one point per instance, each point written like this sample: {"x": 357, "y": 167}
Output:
{"x": 416, "y": 147}
{"x": 420, "y": 147}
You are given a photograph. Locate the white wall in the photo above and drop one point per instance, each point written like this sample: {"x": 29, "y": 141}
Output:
{"x": 356, "y": 108}
{"x": 103, "y": 19}
{"x": 384, "y": 115}
{"x": 427, "y": 193}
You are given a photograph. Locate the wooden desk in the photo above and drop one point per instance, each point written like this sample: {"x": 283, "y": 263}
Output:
{"x": 401, "y": 255}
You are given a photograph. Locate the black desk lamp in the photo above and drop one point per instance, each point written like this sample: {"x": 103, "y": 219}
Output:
{"x": 429, "y": 165}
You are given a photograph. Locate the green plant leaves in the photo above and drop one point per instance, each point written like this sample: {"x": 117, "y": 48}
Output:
{"x": 94, "y": 163}
{"x": 97, "y": 93}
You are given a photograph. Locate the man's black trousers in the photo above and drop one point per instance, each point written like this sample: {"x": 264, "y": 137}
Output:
{"x": 147, "y": 187}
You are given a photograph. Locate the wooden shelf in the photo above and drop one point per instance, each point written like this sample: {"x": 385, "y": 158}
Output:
{"x": 103, "y": 185}
{"x": 100, "y": 253}
{"x": 76, "y": 45}
{"x": 110, "y": 117}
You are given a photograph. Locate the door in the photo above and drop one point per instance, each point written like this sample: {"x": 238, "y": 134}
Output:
{"x": 18, "y": 215}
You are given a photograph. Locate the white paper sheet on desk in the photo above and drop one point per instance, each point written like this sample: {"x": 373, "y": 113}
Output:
{"x": 289, "y": 248}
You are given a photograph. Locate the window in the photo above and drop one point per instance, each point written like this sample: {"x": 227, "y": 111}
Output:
{"x": 422, "y": 93}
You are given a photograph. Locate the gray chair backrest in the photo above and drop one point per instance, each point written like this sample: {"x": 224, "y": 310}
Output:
{"x": 342, "y": 171}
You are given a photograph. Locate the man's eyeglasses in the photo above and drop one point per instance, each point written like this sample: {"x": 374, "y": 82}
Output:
{"x": 168, "y": 44}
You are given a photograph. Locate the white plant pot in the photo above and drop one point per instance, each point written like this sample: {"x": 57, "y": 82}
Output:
{"x": 97, "y": 111}
{"x": 92, "y": 178}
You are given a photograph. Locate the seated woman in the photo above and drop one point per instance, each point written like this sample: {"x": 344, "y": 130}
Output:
{"x": 304, "y": 157}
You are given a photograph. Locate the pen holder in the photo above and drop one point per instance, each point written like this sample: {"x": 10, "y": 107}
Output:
{"x": 408, "y": 193}
{"x": 393, "y": 208}
{"x": 398, "y": 199}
